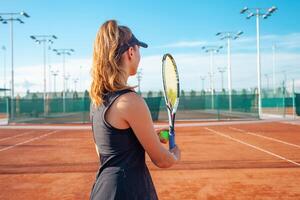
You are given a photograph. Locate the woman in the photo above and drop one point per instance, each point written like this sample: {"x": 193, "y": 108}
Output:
{"x": 122, "y": 126}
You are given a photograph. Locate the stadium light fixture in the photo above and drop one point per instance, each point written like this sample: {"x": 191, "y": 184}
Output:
{"x": 272, "y": 9}
{"x": 240, "y": 32}
{"x": 244, "y": 10}
{"x": 250, "y": 15}
{"x": 21, "y": 22}
{"x": 24, "y": 14}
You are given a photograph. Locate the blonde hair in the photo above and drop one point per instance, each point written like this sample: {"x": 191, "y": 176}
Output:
{"x": 107, "y": 74}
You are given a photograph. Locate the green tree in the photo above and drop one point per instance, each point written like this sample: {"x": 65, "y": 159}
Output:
{"x": 34, "y": 96}
{"x": 193, "y": 93}
{"x": 75, "y": 95}
{"x": 86, "y": 93}
{"x": 244, "y": 91}
{"x": 203, "y": 92}
{"x": 150, "y": 94}
{"x": 160, "y": 93}
{"x": 223, "y": 91}
{"x": 182, "y": 93}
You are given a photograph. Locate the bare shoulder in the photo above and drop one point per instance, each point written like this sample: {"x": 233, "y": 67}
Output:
{"x": 130, "y": 99}
{"x": 131, "y": 103}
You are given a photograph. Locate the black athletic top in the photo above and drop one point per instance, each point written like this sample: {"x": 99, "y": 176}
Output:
{"x": 123, "y": 173}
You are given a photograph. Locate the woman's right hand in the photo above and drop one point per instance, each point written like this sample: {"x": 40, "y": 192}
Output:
{"x": 176, "y": 153}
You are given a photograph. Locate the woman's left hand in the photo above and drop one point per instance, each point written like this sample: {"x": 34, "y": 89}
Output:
{"x": 158, "y": 132}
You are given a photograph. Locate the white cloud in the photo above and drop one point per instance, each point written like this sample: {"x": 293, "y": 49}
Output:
{"x": 183, "y": 44}
{"x": 190, "y": 65}
{"x": 32, "y": 77}
{"x": 244, "y": 70}
{"x": 282, "y": 42}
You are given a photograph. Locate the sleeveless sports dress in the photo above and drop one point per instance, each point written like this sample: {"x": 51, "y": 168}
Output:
{"x": 123, "y": 173}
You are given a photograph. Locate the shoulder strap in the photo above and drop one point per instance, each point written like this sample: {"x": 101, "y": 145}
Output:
{"x": 109, "y": 99}
{"x": 113, "y": 96}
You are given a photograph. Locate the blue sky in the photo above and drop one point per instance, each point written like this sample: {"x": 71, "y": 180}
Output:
{"x": 178, "y": 27}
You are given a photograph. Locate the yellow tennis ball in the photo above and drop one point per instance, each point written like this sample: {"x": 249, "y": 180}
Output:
{"x": 164, "y": 135}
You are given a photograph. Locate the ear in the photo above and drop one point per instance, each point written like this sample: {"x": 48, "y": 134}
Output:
{"x": 130, "y": 52}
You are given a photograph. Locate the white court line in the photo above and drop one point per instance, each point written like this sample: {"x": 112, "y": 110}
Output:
{"x": 47, "y": 127}
{"x": 253, "y": 146}
{"x": 217, "y": 123}
{"x": 89, "y": 127}
{"x": 7, "y": 138}
{"x": 265, "y": 137}
{"x": 294, "y": 122}
{"x": 30, "y": 140}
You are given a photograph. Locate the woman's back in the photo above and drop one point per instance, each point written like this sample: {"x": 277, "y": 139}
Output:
{"x": 122, "y": 158}
{"x": 122, "y": 125}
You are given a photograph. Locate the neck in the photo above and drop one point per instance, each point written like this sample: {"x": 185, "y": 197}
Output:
{"x": 127, "y": 74}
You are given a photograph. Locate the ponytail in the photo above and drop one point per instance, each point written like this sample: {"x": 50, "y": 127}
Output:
{"x": 107, "y": 74}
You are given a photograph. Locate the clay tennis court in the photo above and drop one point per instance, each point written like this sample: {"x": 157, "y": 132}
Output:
{"x": 220, "y": 160}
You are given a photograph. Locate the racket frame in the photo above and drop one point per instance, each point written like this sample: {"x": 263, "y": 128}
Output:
{"x": 171, "y": 110}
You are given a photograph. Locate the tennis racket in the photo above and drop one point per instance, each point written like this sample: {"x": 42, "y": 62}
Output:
{"x": 171, "y": 92}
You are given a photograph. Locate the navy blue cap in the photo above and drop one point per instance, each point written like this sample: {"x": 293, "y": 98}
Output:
{"x": 131, "y": 42}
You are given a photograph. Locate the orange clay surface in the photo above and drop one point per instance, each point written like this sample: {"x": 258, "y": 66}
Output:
{"x": 240, "y": 161}
{"x": 3, "y": 115}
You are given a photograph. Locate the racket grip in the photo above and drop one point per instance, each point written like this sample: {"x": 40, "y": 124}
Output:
{"x": 171, "y": 139}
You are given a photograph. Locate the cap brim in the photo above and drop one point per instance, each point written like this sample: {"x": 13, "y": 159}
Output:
{"x": 143, "y": 44}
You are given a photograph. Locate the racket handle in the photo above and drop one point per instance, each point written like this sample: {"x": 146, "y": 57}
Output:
{"x": 171, "y": 139}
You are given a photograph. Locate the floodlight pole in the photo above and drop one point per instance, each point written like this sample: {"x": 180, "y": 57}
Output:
{"x": 139, "y": 78}
{"x": 211, "y": 50}
{"x": 64, "y": 52}
{"x": 54, "y": 73}
{"x": 75, "y": 82}
{"x": 44, "y": 39}
{"x": 67, "y": 77}
{"x": 221, "y": 70}
{"x": 273, "y": 66}
{"x": 49, "y": 77}
{"x": 212, "y": 79}
{"x": 229, "y": 35}
{"x": 257, "y": 12}
{"x": 80, "y": 78}
{"x": 294, "y": 96}
{"x": 229, "y": 72}
{"x": 267, "y": 79}
{"x": 202, "y": 79}
{"x": 12, "y": 69}
{"x": 258, "y": 63}
{"x": 211, "y": 55}
{"x": 49, "y": 68}
{"x": 11, "y": 19}
{"x": 4, "y": 66}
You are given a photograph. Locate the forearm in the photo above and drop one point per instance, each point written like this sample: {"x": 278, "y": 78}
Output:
{"x": 166, "y": 160}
